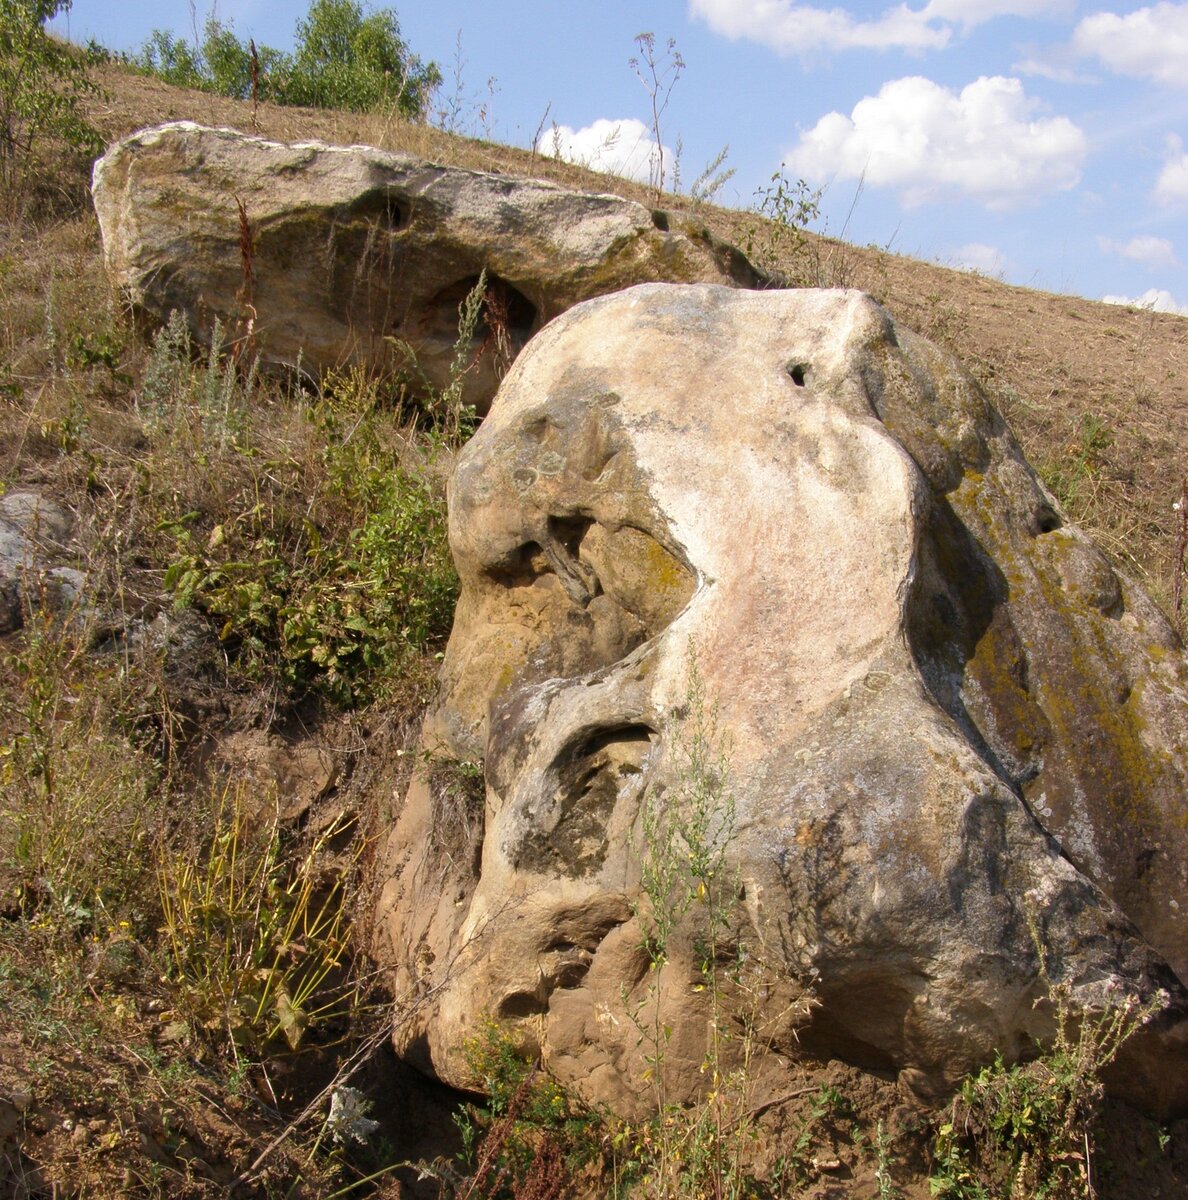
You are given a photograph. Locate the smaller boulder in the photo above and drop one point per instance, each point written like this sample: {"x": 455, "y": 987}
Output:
{"x": 330, "y": 256}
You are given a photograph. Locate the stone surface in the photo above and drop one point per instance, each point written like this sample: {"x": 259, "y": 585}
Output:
{"x": 289, "y": 777}
{"x": 954, "y": 738}
{"x": 35, "y": 533}
{"x": 358, "y": 252}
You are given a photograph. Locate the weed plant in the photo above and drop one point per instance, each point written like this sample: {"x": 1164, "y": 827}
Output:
{"x": 255, "y": 938}
{"x": 779, "y": 244}
{"x": 1077, "y": 472}
{"x": 529, "y": 1139}
{"x": 79, "y": 797}
{"x": 703, "y": 1149}
{"x": 172, "y": 934}
{"x": 659, "y": 75}
{"x": 332, "y": 577}
{"x": 1025, "y": 1130}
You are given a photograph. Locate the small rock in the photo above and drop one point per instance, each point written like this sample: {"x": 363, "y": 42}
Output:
{"x": 36, "y": 517}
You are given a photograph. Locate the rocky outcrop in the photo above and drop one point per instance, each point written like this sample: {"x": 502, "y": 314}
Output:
{"x": 360, "y": 256}
{"x": 954, "y": 759}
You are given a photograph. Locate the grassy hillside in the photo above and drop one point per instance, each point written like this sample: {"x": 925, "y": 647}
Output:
{"x": 199, "y": 758}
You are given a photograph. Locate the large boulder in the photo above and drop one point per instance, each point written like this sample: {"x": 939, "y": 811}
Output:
{"x": 951, "y": 771}
{"x": 360, "y": 256}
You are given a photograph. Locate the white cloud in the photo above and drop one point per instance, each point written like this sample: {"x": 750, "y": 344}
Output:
{"x": 1051, "y": 69}
{"x": 930, "y": 142}
{"x": 1155, "y": 299}
{"x": 614, "y": 147}
{"x": 803, "y": 29}
{"x": 1150, "y": 42}
{"x": 974, "y": 12}
{"x": 977, "y": 256}
{"x": 1151, "y": 251}
{"x": 1172, "y": 185}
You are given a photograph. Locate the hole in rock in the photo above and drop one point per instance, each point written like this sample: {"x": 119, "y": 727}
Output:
{"x": 569, "y": 531}
{"x": 798, "y": 373}
{"x": 521, "y": 1004}
{"x": 508, "y": 317}
{"x": 1047, "y": 520}
{"x": 522, "y": 567}
{"x": 660, "y": 219}
{"x": 563, "y": 548}
{"x": 567, "y": 970}
{"x": 591, "y": 772}
{"x": 383, "y": 206}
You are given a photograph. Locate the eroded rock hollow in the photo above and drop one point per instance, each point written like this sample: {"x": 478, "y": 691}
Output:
{"x": 954, "y": 739}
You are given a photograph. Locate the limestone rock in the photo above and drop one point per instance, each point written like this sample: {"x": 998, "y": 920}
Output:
{"x": 35, "y": 533}
{"x": 358, "y": 253}
{"x": 954, "y": 739}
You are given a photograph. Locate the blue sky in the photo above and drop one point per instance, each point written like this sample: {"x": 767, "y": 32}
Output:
{"x": 1041, "y": 141}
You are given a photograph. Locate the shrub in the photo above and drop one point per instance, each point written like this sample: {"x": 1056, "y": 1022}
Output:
{"x": 344, "y": 58}
{"x": 347, "y": 599}
{"x": 1027, "y": 1129}
{"x": 42, "y": 86}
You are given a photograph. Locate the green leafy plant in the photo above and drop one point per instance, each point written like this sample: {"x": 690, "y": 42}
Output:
{"x": 780, "y": 244}
{"x": 883, "y": 1164}
{"x": 1026, "y": 1129}
{"x": 529, "y": 1138}
{"x": 458, "y": 419}
{"x": 714, "y": 176}
{"x": 340, "y": 615}
{"x": 344, "y": 57}
{"x": 794, "y": 1168}
{"x": 341, "y": 596}
{"x": 42, "y": 86}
